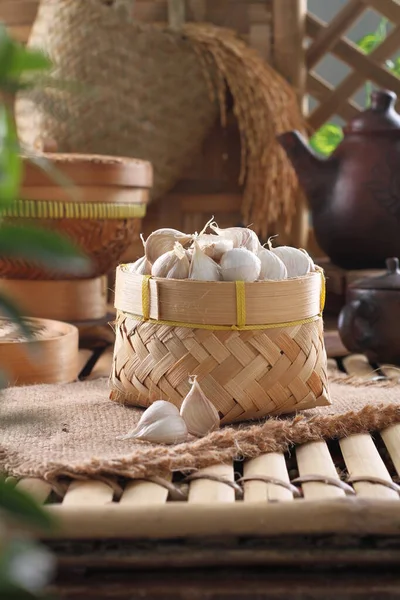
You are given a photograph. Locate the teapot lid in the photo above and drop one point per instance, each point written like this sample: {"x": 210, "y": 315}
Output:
{"x": 380, "y": 116}
{"x": 388, "y": 281}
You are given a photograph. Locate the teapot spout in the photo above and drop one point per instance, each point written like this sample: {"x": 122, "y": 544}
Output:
{"x": 316, "y": 175}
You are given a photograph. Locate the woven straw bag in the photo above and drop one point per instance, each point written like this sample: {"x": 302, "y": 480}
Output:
{"x": 144, "y": 92}
{"x": 257, "y": 348}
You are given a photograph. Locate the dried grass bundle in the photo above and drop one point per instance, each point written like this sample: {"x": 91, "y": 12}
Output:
{"x": 264, "y": 105}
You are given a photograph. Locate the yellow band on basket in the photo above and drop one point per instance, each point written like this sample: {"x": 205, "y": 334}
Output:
{"x": 146, "y": 297}
{"x": 240, "y": 311}
{"x": 240, "y": 304}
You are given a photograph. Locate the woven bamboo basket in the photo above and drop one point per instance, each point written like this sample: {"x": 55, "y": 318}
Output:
{"x": 144, "y": 92}
{"x": 257, "y": 348}
{"x": 50, "y": 357}
{"x": 100, "y": 211}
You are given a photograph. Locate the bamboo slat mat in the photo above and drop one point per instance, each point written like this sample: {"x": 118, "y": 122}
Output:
{"x": 344, "y": 488}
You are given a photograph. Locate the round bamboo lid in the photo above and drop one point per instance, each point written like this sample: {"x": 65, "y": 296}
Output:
{"x": 91, "y": 170}
{"x": 51, "y": 357}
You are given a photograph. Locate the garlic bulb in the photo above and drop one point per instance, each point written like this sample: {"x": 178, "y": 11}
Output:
{"x": 297, "y": 263}
{"x": 214, "y": 246}
{"x": 202, "y": 267}
{"x": 172, "y": 265}
{"x": 240, "y": 264}
{"x": 140, "y": 267}
{"x": 272, "y": 267}
{"x": 161, "y": 423}
{"x": 162, "y": 241}
{"x": 242, "y": 237}
{"x": 200, "y": 415}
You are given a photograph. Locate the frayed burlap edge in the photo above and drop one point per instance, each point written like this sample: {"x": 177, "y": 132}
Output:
{"x": 242, "y": 442}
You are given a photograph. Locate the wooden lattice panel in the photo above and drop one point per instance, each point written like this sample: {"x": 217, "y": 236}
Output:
{"x": 330, "y": 38}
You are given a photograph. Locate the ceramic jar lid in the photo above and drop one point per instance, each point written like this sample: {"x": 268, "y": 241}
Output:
{"x": 388, "y": 281}
{"x": 380, "y": 116}
{"x": 91, "y": 170}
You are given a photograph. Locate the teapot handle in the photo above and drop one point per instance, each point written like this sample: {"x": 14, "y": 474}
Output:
{"x": 356, "y": 338}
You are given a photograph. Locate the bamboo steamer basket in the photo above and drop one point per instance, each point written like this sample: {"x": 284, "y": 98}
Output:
{"x": 257, "y": 348}
{"x": 52, "y": 357}
{"x": 65, "y": 300}
{"x": 100, "y": 210}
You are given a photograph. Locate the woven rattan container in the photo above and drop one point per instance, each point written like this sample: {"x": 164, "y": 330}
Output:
{"x": 99, "y": 207}
{"x": 257, "y": 348}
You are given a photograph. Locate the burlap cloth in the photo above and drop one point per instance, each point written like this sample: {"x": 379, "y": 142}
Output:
{"x": 52, "y": 431}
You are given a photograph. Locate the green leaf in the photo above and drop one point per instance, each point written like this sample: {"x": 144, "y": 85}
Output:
{"x": 326, "y": 139}
{"x": 25, "y": 60}
{"x": 394, "y": 66}
{"x": 43, "y": 247}
{"x": 10, "y": 310}
{"x": 22, "y": 507}
{"x": 369, "y": 42}
{"x": 10, "y": 159}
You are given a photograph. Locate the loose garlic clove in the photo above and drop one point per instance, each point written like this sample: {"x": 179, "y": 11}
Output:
{"x": 202, "y": 267}
{"x": 200, "y": 415}
{"x": 297, "y": 262}
{"x": 214, "y": 246}
{"x": 272, "y": 267}
{"x": 173, "y": 264}
{"x": 242, "y": 237}
{"x": 140, "y": 267}
{"x": 240, "y": 264}
{"x": 162, "y": 241}
{"x": 161, "y": 423}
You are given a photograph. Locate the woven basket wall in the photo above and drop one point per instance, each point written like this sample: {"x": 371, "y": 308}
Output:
{"x": 144, "y": 93}
{"x": 247, "y": 371}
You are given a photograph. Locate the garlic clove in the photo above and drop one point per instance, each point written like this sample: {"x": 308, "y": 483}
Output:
{"x": 202, "y": 267}
{"x": 272, "y": 267}
{"x": 200, "y": 415}
{"x": 140, "y": 267}
{"x": 242, "y": 237}
{"x": 297, "y": 262}
{"x": 214, "y": 246}
{"x": 160, "y": 423}
{"x": 240, "y": 264}
{"x": 162, "y": 241}
{"x": 173, "y": 264}
{"x": 169, "y": 430}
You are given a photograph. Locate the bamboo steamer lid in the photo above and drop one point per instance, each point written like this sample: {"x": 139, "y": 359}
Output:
{"x": 51, "y": 357}
{"x": 91, "y": 170}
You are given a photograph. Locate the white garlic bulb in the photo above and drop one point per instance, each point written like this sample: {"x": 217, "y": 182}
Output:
{"x": 272, "y": 267}
{"x": 297, "y": 263}
{"x": 214, "y": 246}
{"x": 240, "y": 264}
{"x": 242, "y": 237}
{"x": 173, "y": 264}
{"x": 161, "y": 423}
{"x": 162, "y": 241}
{"x": 202, "y": 267}
{"x": 200, "y": 415}
{"x": 140, "y": 267}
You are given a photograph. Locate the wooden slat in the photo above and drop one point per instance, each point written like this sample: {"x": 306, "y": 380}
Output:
{"x": 328, "y": 36}
{"x": 349, "y": 53}
{"x": 143, "y": 493}
{"x": 39, "y": 489}
{"x": 321, "y": 90}
{"x": 314, "y": 459}
{"x": 388, "y": 8}
{"x": 391, "y": 437}
{"x": 353, "y": 82}
{"x": 88, "y": 493}
{"x": 363, "y": 460}
{"x": 210, "y": 492}
{"x": 267, "y": 465}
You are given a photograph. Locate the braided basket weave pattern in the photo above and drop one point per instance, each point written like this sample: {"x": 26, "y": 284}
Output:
{"x": 245, "y": 372}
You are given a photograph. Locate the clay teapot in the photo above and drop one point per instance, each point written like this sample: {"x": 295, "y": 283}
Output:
{"x": 370, "y": 321}
{"x": 354, "y": 194}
